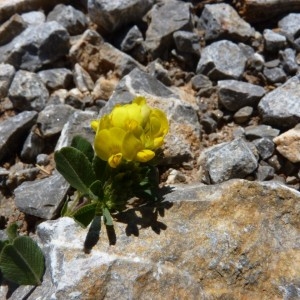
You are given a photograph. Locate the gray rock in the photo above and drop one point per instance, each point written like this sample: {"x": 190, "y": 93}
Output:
{"x": 208, "y": 124}
{"x": 82, "y": 79}
{"x": 11, "y": 28}
{"x": 42, "y": 198}
{"x": 235, "y": 94}
{"x": 72, "y": 19}
{"x": 33, "y": 146}
{"x": 156, "y": 70}
{"x": 265, "y": 147}
{"x": 77, "y": 99}
{"x": 34, "y": 17}
{"x": 222, "y": 60}
{"x": 228, "y": 160}
{"x": 42, "y": 159}
{"x": 27, "y": 91}
{"x": 132, "y": 39}
{"x": 187, "y": 42}
{"x": 59, "y": 78}
{"x": 7, "y": 73}
{"x": 290, "y": 24}
{"x": 200, "y": 81}
{"x": 221, "y": 21}
{"x": 288, "y": 57}
{"x": 260, "y": 131}
{"x": 264, "y": 172}
{"x": 273, "y": 41}
{"x": 256, "y": 62}
{"x": 184, "y": 125}
{"x": 272, "y": 63}
{"x": 12, "y": 131}
{"x": 243, "y": 115}
{"x": 53, "y": 118}
{"x": 36, "y": 46}
{"x": 280, "y": 107}
{"x": 275, "y": 75}
{"x": 111, "y": 15}
{"x": 166, "y": 18}
{"x": 231, "y": 216}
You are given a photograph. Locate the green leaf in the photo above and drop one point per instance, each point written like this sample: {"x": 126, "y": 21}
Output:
{"x": 2, "y": 244}
{"x": 22, "y": 261}
{"x": 84, "y": 146}
{"x": 12, "y": 231}
{"x": 75, "y": 167}
{"x": 100, "y": 168}
{"x": 64, "y": 209}
{"x": 107, "y": 217}
{"x": 97, "y": 189}
{"x": 85, "y": 214}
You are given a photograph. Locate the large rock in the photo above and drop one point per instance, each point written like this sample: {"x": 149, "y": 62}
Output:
{"x": 36, "y": 46}
{"x": 13, "y": 132}
{"x": 280, "y": 108}
{"x": 184, "y": 136}
{"x": 234, "y": 94}
{"x": 237, "y": 240}
{"x": 166, "y": 18}
{"x": 221, "y": 21}
{"x": 228, "y": 160}
{"x": 222, "y": 60}
{"x": 111, "y": 15}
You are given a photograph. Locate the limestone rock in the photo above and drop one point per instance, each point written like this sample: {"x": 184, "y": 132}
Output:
{"x": 236, "y": 240}
{"x": 280, "y": 107}
{"x": 111, "y": 15}
{"x": 288, "y": 144}
{"x": 221, "y": 21}
{"x": 7, "y": 73}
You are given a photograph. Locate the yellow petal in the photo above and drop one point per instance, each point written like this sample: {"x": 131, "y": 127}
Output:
{"x": 115, "y": 160}
{"x": 131, "y": 146}
{"x": 145, "y": 155}
{"x": 95, "y": 124}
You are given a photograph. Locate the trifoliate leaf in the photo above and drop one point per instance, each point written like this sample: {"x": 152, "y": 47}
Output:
{"x": 84, "y": 146}
{"x": 85, "y": 214}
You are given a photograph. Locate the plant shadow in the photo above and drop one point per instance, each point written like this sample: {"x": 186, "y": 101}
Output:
{"x": 141, "y": 215}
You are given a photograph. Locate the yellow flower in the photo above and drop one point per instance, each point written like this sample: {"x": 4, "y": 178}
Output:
{"x": 130, "y": 132}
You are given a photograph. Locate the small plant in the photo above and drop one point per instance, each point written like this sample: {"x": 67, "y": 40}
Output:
{"x": 21, "y": 259}
{"x": 119, "y": 166}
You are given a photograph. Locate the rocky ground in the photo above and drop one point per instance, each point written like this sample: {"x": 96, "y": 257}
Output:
{"x": 231, "y": 91}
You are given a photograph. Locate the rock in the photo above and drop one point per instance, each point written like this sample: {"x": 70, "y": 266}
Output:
{"x": 273, "y": 41}
{"x": 280, "y": 106}
{"x": 36, "y": 46}
{"x": 200, "y": 81}
{"x": 58, "y": 78}
{"x": 289, "y": 62}
{"x": 132, "y": 39}
{"x": 42, "y": 159}
{"x": 166, "y": 18}
{"x": 275, "y": 75}
{"x": 7, "y": 73}
{"x": 156, "y": 70}
{"x": 99, "y": 58}
{"x": 187, "y": 42}
{"x": 184, "y": 132}
{"x": 243, "y": 114}
{"x": 27, "y": 91}
{"x": 228, "y": 160}
{"x": 208, "y": 124}
{"x": 47, "y": 202}
{"x": 256, "y": 62}
{"x": 288, "y": 144}
{"x": 290, "y": 24}
{"x": 53, "y": 118}
{"x": 70, "y": 18}
{"x": 221, "y": 21}
{"x": 260, "y": 131}
{"x": 34, "y": 17}
{"x": 264, "y": 172}
{"x": 222, "y": 60}
{"x": 235, "y": 95}
{"x": 110, "y": 16}
{"x": 13, "y": 130}
{"x": 11, "y": 28}
{"x": 104, "y": 88}
{"x": 33, "y": 146}
{"x": 238, "y": 236}
{"x": 77, "y": 99}
{"x": 82, "y": 79}
{"x": 264, "y": 146}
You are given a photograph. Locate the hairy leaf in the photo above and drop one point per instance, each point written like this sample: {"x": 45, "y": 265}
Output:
{"x": 84, "y": 146}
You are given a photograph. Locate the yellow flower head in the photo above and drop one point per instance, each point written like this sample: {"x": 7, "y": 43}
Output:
{"x": 131, "y": 132}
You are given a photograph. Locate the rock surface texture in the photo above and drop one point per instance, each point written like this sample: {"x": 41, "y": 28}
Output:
{"x": 228, "y": 224}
